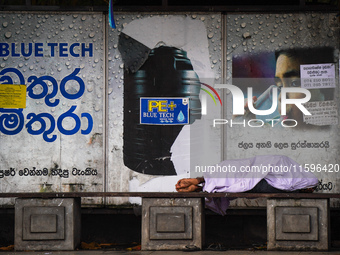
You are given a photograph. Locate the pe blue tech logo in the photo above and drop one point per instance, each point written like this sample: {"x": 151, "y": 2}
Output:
{"x": 204, "y": 100}
{"x": 164, "y": 111}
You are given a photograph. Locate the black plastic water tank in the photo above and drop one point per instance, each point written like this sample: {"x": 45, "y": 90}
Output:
{"x": 166, "y": 73}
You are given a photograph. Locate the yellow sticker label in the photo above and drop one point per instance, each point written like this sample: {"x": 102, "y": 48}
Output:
{"x": 12, "y": 96}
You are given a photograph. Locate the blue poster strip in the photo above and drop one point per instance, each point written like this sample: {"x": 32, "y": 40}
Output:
{"x": 164, "y": 111}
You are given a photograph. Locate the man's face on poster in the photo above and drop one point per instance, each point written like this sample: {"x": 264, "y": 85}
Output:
{"x": 287, "y": 74}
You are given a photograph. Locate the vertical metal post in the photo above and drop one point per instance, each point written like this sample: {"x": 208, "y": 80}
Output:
{"x": 106, "y": 102}
{"x": 224, "y": 64}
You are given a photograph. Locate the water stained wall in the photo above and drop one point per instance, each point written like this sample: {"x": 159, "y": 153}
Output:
{"x": 70, "y": 135}
{"x": 57, "y": 142}
{"x": 252, "y": 41}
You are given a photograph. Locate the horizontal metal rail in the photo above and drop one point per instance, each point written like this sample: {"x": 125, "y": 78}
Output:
{"x": 165, "y": 7}
{"x": 168, "y": 195}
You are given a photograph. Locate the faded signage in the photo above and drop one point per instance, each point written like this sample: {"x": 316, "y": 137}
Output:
{"x": 322, "y": 113}
{"x": 59, "y": 59}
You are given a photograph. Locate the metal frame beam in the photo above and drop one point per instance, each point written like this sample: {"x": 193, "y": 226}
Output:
{"x": 165, "y": 7}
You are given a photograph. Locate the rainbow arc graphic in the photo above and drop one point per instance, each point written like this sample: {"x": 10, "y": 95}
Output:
{"x": 210, "y": 94}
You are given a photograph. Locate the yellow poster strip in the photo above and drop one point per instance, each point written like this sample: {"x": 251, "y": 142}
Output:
{"x": 12, "y": 96}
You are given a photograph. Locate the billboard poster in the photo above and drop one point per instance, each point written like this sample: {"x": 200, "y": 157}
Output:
{"x": 157, "y": 98}
{"x": 285, "y": 66}
{"x": 51, "y": 139}
{"x": 161, "y": 57}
